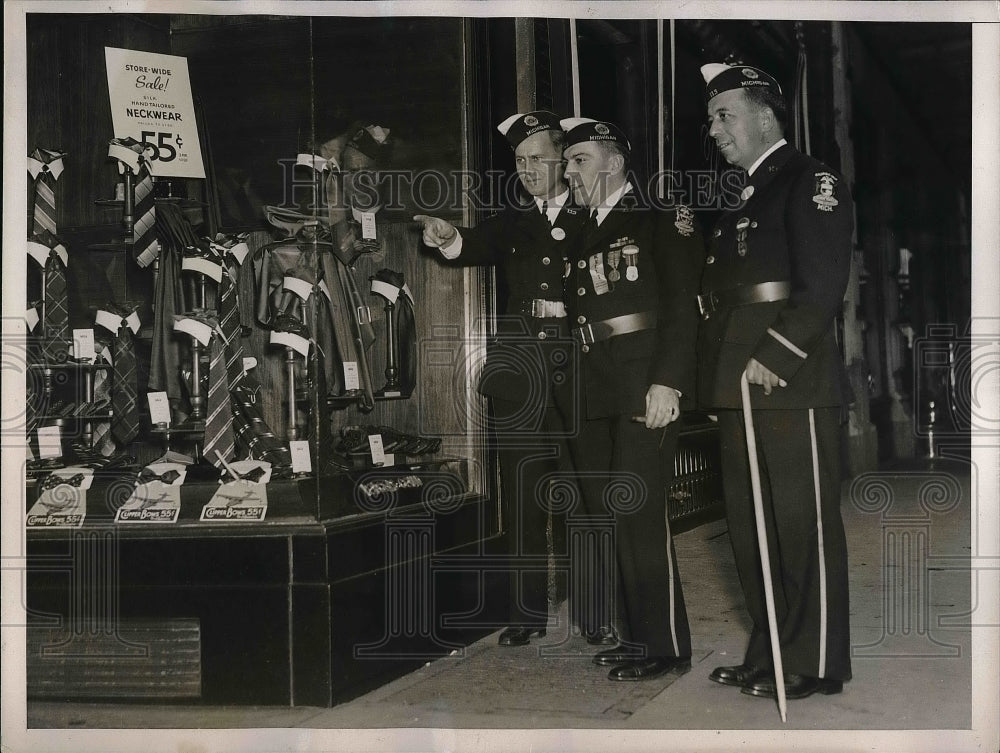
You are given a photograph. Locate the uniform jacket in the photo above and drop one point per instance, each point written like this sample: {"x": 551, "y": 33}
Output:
{"x": 527, "y": 353}
{"x": 616, "y": 373}
{"x": 798, "y": 224}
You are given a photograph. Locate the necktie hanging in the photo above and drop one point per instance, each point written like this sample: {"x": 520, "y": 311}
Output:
{"x": 219, "y": 437}
{"x": 45, "y": 166}
{"x": 132, "y": 158}
{"x": 55, "y": 306}
{"x": 125, "y": 418}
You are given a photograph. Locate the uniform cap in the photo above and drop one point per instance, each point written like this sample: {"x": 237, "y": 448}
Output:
{"x": 523, "y": 124}
{"x": 579, "y": 130}
{"x": 720, "y": 77}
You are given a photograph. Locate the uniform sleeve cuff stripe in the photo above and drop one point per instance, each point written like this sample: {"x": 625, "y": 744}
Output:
{"x": 787, "y": 343}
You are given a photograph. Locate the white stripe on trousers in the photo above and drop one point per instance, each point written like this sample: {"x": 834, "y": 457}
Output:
{"x": 822, "y": 553}
{"x": 670, "y": 575}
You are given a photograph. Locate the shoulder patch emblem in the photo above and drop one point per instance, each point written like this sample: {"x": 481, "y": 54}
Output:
{"x": 685, "y": 220}
{"x": 824, "y": 199}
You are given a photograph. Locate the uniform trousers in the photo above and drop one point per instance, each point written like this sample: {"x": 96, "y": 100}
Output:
{"x": 624, "y": 469}
{"x": 533, "y": 454}
{"x": 798, "y": 452}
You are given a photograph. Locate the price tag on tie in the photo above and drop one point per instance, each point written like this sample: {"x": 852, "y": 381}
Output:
{"x": 301, "y": 460}
{"x": 351, "y": 380}
{"x": 31, "y": 317}
{"x": 83, "y": 344}
{"x": 49, "y": 442}
{"x": 378, "y": 451}
{"x": 368, "y": 226}
{"x": 249, "y": 362}
{"x": 159, "y": 408}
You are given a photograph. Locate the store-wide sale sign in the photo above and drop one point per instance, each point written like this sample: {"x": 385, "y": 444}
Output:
{"x": 151, "y": 102}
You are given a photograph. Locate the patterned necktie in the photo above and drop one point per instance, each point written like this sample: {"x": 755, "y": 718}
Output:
{"x": 100, "y": 432}
{"x": 125, "y": 421}
{"x": 55, "y": 320}
{"x": 229, "y": 323}
{"x": 219, "y": 436}
{"x": 44, "y": 215}
{"x": 145, "y": 245}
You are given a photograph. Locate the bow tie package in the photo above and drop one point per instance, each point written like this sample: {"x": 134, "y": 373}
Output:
{"x": 156, "y": 497}
{"x": 62, "y": 499}
{"x": 242, "y": 494}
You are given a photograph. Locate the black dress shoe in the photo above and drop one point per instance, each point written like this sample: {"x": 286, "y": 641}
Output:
{"x": 739, "y": 676}
{"x": 796, "y": 686}
{"x": 647, "y": 669}
{"x": 603, "y": 636}
{"x": 519, "y": 636}
{"x": 609, "y": 657}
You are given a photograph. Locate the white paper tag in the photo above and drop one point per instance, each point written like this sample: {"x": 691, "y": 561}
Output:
{"x": 301, "y": 288}
{"x": 249, "y": 362}
{"x": 378, "y": 451}
{"x": 351, "y": 379}
{"x": 390, "y": 458}
{"x": 198, "y": 330}
{"x": 597, "y": 274}
{"x": 49, "y": 442}
{"x": 159, "y": 408}
{"x": 368, "y": 226}
{"x": 384, "y": 289}
{"x": 301, "y": 460}
{"x": 289, "y": 339}
{"x": 110, "y": 322}
{"x": 132, "y": 320}
{"x": 31, "y": 318}
{"x": 83, "y": 345}
{"x": 203, "y": 266}
{"x": 326, "y": 291}
{"x": 239, "y": 252}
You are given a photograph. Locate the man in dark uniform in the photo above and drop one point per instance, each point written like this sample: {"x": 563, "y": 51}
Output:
{"x": 632, "y": 275}
{"x": 774, "y": 280}
{"x": 529, "y": 359}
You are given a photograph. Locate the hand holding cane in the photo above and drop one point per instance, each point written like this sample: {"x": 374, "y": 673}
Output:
{"x": 765, "y": 560}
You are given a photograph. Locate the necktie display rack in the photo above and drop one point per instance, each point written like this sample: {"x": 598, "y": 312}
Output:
{"x": 62, "y": 404}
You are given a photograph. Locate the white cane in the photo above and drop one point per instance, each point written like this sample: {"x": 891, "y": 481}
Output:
{"x": 765, "y": 560}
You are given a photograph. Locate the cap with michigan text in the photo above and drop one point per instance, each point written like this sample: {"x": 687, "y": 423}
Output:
{"x": 720, "y": 77}
{"x": 579, "y": 130}
{"x": 521, "y": 125}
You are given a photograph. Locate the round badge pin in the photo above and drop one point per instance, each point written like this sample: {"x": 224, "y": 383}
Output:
{"x": 747, "y": 193}
{"x": 558, "y": 233}
{"x": 632, "y": 274}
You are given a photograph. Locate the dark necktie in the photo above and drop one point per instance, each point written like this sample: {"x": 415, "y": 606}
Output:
{"x": 125, "y": 421}
{"x": 545, "y": 211}
{"x": 55, "y": 320}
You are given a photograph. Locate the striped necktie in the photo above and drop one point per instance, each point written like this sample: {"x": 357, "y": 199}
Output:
{"x": 219, "y": 438}
{"x": 45, "y": 166}
{"x": 131, "y": 156}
